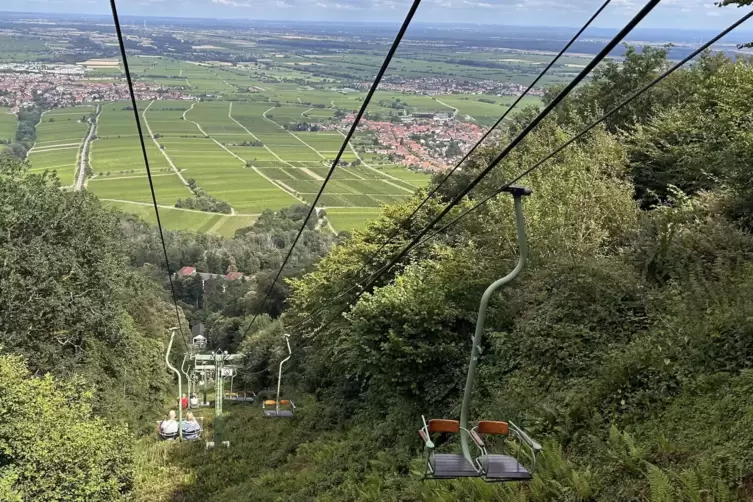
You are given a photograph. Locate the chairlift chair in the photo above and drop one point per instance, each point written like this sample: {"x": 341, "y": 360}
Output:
{"x": 166, "y": 437}
{"x": 245, "y": 396}
{"x": 282, "y": 408}
{"x": 176, "y": 435}
{"x": 444, "y": 465}
{"x": 498, "y": 467}
{"x": 193, "y": 436}
{"x": 492, "y": 467}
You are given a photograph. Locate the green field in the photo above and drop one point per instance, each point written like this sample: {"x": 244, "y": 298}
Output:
{"x": 470, "y": 108}
{"x": 8, "y": 124}
{"x": 60, "y": 135}
{"x": 167, "y": 187}
{"x": 178, "y": 219}
{"x": 349, "y": 219}
{"x": 205, "y": 142}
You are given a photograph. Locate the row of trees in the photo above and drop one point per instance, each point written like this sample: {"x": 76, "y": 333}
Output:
{"x": 202, "y": 201}
{"x": 26, "y": 132}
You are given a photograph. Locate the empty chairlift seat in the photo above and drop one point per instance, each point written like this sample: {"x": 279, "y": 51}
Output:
{"x": 240, "y": 396}
{"x": 285, "y": 409}
{"x": 444, "y": 465}
{"x": 498, "y": 467}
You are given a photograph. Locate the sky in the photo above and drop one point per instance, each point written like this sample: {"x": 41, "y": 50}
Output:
{"x": 686, "y": 14}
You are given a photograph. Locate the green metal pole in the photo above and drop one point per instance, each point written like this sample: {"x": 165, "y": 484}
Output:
{"x": 279, "y": 374}
{"x": 523, "y": 245}
{"x": 188, "y": 377}
{"x": 206, "y": 403}
{"x": 180, "y": 383}
{"x": 218, "y": 360}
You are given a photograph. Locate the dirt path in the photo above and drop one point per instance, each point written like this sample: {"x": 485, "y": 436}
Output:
{"x": 84, "y": 156}
{"x": 296, "y": 137}
{"x": 311, "y": 173}
{"x": 95, "y": 177}
{"x": 61, "y": 146}
{"x": 455, "y": 110}
{"x": 224, "y": 81}
{"x": 156, "y": 143}
{"x": 230, "y": 114}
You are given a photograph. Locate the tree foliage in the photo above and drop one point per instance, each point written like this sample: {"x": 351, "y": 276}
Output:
{"x": 53, "y": 447}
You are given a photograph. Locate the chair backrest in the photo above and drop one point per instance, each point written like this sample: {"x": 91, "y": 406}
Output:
{"x": 493, "y": 427}
{"x": 285, "y": 402}
{"x": 440, "y": 425}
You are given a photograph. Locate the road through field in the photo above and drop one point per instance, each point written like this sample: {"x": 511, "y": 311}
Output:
{"x": 156, "y": 143}
{"x": 454, "y": 113}
{"x": 296, "y": 137}
{"x": 151, "y": 204}
{"x": 83, "y": 160}
{"x": 230, "y": 114}
{"x": 367, "y": 166}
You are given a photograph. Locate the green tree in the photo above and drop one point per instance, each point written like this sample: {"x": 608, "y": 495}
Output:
{"x": 71, "y": 305}
{"x": 53, "y": 447}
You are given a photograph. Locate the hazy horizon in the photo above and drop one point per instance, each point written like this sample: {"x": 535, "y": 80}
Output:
{"x": 672, "y": 14}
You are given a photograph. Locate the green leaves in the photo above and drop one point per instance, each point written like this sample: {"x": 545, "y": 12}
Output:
{"x": 54, "y": 447}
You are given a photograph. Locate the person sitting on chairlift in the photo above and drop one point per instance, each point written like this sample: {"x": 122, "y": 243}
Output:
{"x": 194, "y": 401}
{"x": 168, "y": 429}
{"x": 184, "y": 402}
{"x": 191, "y": 428}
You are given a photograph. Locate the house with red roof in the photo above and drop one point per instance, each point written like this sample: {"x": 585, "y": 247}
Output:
{"x": 186, "y": 271}
{"x": 233, "y": 276}
{"x": 205, "y": 276}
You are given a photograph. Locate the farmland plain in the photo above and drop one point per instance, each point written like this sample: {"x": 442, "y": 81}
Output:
{"x": 258, "y": 136}
{"x": 60, "y": 135}
{"x": 239, "y": 152}
{"x": 8, "y": 124}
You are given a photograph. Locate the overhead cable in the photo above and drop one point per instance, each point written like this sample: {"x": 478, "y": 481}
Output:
{"x": 532, "y": 125}
{"x": 575, "y": 138}
{"x": 366, "y": 101}
{"x": 591, "y": 126}
{"x": 403, "y": 224}
{"x": 134, "y": 105}
{"x": 586, "y": 70}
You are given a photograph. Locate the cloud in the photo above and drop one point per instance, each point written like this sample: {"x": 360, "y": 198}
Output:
{"x": 232, "y": 3}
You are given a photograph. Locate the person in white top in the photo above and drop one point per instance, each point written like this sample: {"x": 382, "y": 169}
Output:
{"x": 168, "y": 429}
{"x": 194, "y": 401}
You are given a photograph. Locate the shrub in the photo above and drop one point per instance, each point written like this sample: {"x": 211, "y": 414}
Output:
{"x": 53, "y": 448}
